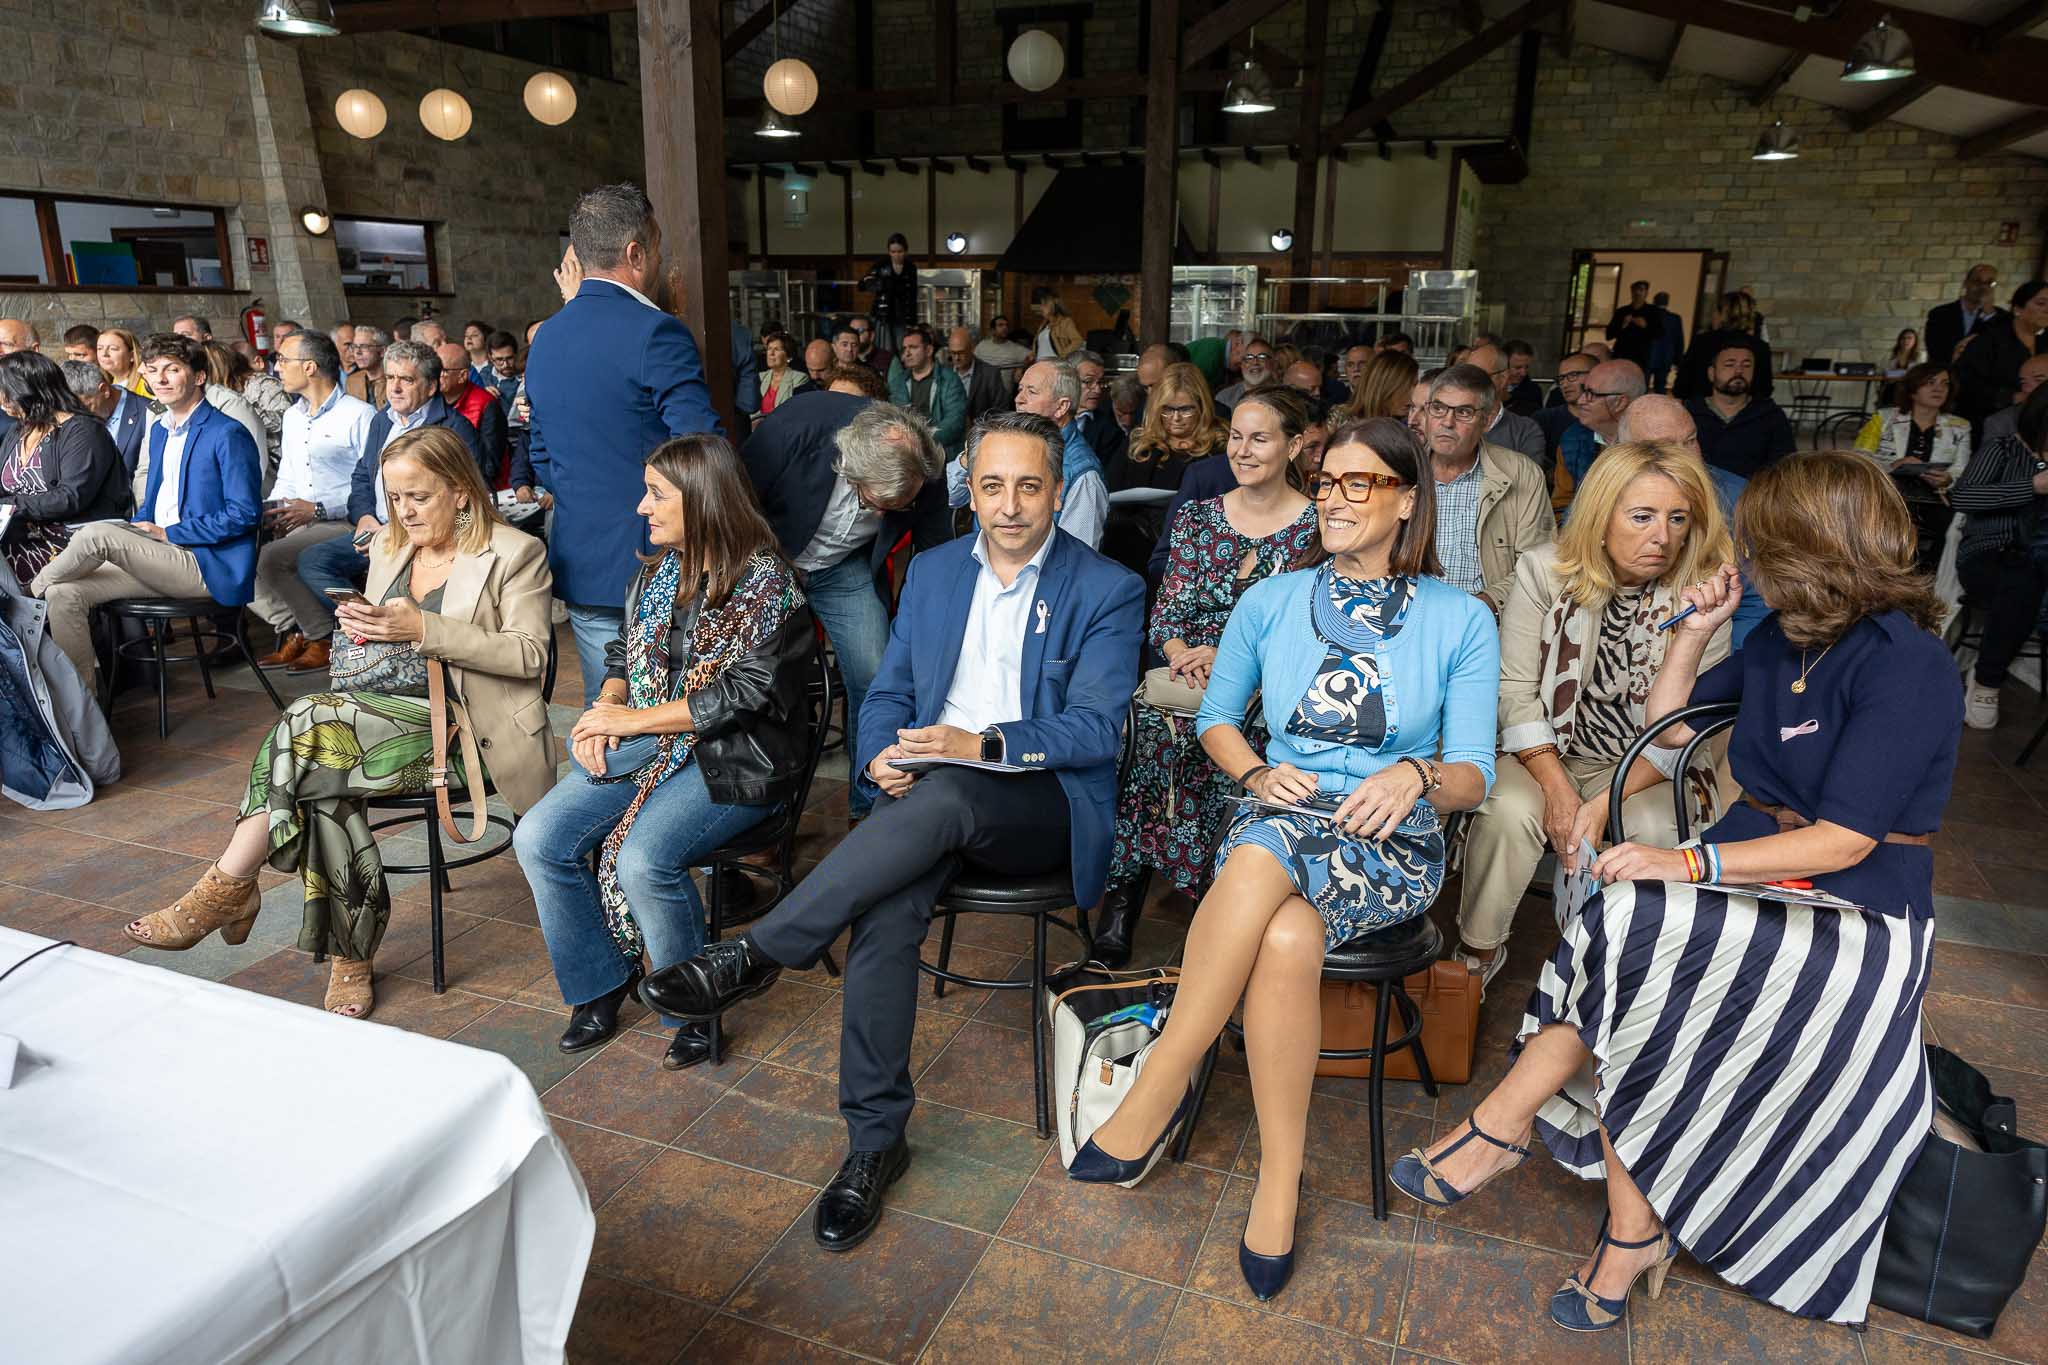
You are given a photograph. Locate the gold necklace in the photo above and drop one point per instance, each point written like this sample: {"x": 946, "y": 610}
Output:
{"x": 1805, "y": 668}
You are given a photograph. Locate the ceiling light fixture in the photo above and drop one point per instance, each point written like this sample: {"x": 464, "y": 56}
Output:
{"x": 316, "y": 220}
{"x": 360, "y": 113}
{"x": 1882, "y": 54}
{"x": 1778, "y": 143}
{"x": 771, "y": 125}
{"x": 550, "y": 98}
{"x": 1281, "y": 239}
{"x": 1036, "y": 60}
{"x": 789, "y": 84}
{"x": 956, "y": 242}
{"x": 1250, "y": 90}
{"x": 298, "y": 18}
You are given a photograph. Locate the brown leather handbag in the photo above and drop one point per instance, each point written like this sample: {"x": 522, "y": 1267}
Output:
{"x": 1447, "y": 993}
{"x": 438, "y": 712}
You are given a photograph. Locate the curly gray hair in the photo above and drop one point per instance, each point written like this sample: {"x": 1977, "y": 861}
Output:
{"x": 888, "y": 452}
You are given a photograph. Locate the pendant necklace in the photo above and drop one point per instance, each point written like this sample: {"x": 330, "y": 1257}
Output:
{"x": 1805, "y": 668}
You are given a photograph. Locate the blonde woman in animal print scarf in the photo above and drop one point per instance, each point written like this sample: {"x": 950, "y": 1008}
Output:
{"x": 701, "y": 732}
{"x": 1579, "y": 649}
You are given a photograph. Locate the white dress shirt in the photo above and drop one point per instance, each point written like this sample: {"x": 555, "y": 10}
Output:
{"x": 846, "y": 525}
{"x": 1084, "y": 509}
{"x": 627, "y": 287}
{"x": 987, "y": 682}
{"x": 165, "y": 514}
{"x": 321, "y": 450}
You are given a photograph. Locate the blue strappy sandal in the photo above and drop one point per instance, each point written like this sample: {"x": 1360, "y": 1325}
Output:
{"x": 1416, "y": 1175}
{"x": 1577, "y": 1308}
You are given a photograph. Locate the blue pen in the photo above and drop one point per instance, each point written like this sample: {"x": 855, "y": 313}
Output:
{"x": 1666, "y": 625}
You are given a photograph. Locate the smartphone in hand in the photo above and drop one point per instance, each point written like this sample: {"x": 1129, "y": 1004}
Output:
{"x": 348, "y": 595}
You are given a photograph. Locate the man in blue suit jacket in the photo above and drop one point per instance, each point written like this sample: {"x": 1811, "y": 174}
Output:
{"x": 1019, "y": 646}
{"x": 125, "y": 414}
{"x": 195, "y": 533}
{"x": 608, "y": 379}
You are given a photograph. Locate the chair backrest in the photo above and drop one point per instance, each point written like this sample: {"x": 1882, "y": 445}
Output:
{"x": 1707, "y": 720}
{"x": 547, "y": 686}
{"x": 821, "y": 700}
{"x": 1839, "y": 431}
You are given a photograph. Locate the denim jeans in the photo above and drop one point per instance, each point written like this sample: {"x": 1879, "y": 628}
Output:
{"x": 594, "y": 628}
{"x": 678, "y": 825}
{"x": 844, "y": 601}
{"x": 1750, "y": 612}
{"x": 335, "y": 563}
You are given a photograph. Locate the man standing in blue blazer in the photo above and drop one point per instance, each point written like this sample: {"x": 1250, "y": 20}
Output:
{"x": 1019, "y": 647}
{"x": 194, "y": 534}
{"x": 608, "y": 379}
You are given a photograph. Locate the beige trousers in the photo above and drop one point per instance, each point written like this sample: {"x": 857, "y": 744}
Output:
{"x": 1506, "y": 841}
{"x": 105, "y": 563}
{"x": 281, "y": 599}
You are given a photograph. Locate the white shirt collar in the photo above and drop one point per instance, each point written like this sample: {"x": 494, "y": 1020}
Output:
{"x": 600, "y": 279}
{"x": 1037, "y": 560}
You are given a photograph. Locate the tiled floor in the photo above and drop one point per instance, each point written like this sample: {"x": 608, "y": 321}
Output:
{"x": 703, "y": 1180}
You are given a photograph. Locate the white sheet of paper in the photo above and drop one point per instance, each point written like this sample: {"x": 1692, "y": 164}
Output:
{"x": 925, "y": 765}
{"x": 1141, "y": 497}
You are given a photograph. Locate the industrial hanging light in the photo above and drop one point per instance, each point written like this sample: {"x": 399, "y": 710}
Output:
{"x": 1281, "y": 238}
{"x": 1882, "y": 54}
{"x": 1250, "y": 90}
{"x": 298, "y": 18}
{"x": 315, "y": 220}
{"x": 1036, "y": 60}
{"x": 550, "y": 98}
{"x": 445, "y": 114}
{"x": 1778, "y": 143}
{"x": 772, "y": 126}
{"x": 956, "y": 242}
{"x": 360, "y": 113}
{"x": 789, "y": 84}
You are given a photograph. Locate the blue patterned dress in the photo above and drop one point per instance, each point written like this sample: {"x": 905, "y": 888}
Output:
{"x": 1356, "y": 884}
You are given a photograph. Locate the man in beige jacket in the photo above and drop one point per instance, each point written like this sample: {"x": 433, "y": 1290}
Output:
{"x": 1491, "y": 503}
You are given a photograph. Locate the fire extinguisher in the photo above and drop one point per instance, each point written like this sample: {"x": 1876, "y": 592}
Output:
{"x": 253, "y": 329}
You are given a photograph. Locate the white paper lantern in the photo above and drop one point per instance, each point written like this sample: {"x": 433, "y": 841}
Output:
{"x": 445, "y": 114}
{"x": 1036, "y": 59}
{"x": 790, "y": 86}
{"x": 360, "y": 113}
{"x": 551, "y": 99}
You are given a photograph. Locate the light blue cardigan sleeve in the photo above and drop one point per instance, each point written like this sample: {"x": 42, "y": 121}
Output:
{"x": 1472, "y": 693}
{"x": 1235, "y": 675}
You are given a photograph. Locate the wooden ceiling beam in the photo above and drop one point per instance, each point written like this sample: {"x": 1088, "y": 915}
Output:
{"x": 1496, "y": 35}
{"x": 753, "y": 26}
{"x": 2003, "y": 136}
{"x": 1776, "y": 81}
{"x": 1215, "y": 29}
{"x": 378, "y": 16}
{"x": 2021, "y": 19}
{"x": 1891, "y": 106}
{"x": 1670, "y": 59}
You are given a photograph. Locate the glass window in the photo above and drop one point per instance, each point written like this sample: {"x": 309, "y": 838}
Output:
{"x": 385, "y": 256}
{"x": 120, "y": 246}
{"x": 21, "y": 243}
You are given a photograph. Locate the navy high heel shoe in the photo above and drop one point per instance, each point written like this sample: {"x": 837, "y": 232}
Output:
{"x": 1098, "y": 1167}
{"x": 1416, "y": 1175}
{"x": 1267, "y": 1275}
{"x": 1577, "y": 1308}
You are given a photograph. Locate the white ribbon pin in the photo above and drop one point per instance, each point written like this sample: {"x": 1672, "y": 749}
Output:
{"x": 1787, "y": 733}
{"x": 1042, "y": 614}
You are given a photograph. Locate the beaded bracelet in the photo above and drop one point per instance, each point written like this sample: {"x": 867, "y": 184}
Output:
{"x": 1430, "y": 782}
{"x": 1522, "y": 756}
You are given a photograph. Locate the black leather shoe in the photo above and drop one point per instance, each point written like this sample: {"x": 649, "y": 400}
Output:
{"x": 692, "y": 1045}
{"x": 852, "y": 1204}
{"x": 596, "y": 1021}
{"x": 1116, "y": 922}
{"x": 712, "y": 982}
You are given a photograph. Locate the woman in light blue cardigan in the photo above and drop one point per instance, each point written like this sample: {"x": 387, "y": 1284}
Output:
{"x": 1381, "y": 687}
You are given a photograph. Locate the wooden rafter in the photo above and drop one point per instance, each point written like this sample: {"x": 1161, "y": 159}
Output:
{"x": 1777, "y": 80}
{"x": 1670, "y": 59}
{"x": 1369, "y": 66}
{"x": 1502, "y": 31}
{"x": 2021, "y": 18}
{"x": 1210, "y": 32}
{"x": 375, "y": 16}
{"x": 2004, "y": 135}
{"x": 1891, "y": 106}
{"x": 753, "y": 26}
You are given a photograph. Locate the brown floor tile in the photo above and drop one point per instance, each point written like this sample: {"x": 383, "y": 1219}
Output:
{"x": 479, "y": 890}
{"x": 2006, "y": 978}
{"x": 1674, "y": 1325}
{"x": 1882, "y": 1347}
{"x": 136, "y": 815}
{"x": 762, "y": 1025}
{"x": 1989, "y": 844}
{"x": 412, "y": 1005}
{"x": 814, "y": 1047}
{"x": 967, "y": 960}
{"x": 607, "y": 1160}
{"x": 1225, "y": 1119}
{"x": 986, "y": 1069}
{"x": 1992, "y": 1035}
{"x": 882, "y": 1299}
{"x": 997, "y": 933}
{"x": 1153, "y": 1230}
{"x": 527, "y": 1038}
{"x": 1957, "y": 875}
{"x": 1350, "y": 1270}
{"x": 694, "y": 1227}
{"x": 57, "y": 917}
{"x": 618, "y": 1323}
{"x": 1479, "y": 1298}
{"x": 622, "y": 1086}
{"x": 2016, "y": 886}
{"x": 184, "y": 772}
{"x": 1338, "y": 1159}
{"x": 2029, "y": 1094}
{"x": 1029, "y": 1306}
{"x": 967, "y": 1168}
{"x": 2022, "y": 1332}
{"x": 2009, "y": 810}
{"x": 495, "y": 959}
{"x": 1209, "y": 1330}
{"x": 1539, "y": 1202}
{"x": 1407, "y": 1096}
{"x": 119, "y": 876}
{"x": 776, "y": 1120}
{"x": 728, "y": 1341}
{"x": 287, "y": 975}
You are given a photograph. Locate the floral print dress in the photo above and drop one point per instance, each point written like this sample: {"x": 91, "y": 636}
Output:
{"x": 1173, "y": 799}
{"x": 1356, "y": 884}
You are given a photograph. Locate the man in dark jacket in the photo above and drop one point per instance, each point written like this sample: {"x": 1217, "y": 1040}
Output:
{"x": 893, "y": 282}
{"x": 1636, "y": 329}
{"x": 1739, "y": 432}
{"x": 983, "y": 382}
{"x": 1949, "y": 323}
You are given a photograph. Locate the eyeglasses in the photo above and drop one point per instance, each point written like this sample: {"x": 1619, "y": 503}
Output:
{"x": 1179, "y": 409}
{"x": 1357, "y": 487}
{"x": 1464, "y": 414}
{"x": 1573, "y": 375}
{"x": 1595, "y": 394}
{"x": 1256, "y": 355}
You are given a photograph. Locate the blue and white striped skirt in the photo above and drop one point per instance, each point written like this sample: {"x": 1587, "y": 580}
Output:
{"x": 1759, "y": 1070}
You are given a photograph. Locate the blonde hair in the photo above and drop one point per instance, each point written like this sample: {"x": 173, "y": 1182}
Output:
{"x": 1582, "y": 558}
{"x": 441, "y": 453}
{"x": 1184, "y": 381}
{"x": 134, "y": 344}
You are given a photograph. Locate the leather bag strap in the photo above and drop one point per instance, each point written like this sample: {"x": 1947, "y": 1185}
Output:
{"x": 438, "y": 708}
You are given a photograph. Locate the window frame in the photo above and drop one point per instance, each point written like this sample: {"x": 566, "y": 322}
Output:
{"x": 46, "y": 202}
{"x": 428, "y": 226}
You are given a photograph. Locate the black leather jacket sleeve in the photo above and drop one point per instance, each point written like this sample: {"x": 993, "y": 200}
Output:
{"x": 745, "y": 691}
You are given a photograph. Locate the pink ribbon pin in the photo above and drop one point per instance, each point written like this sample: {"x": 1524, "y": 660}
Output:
{"x": 1791, "y": 732}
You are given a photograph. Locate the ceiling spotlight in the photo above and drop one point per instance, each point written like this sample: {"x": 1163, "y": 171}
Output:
{"x": 1250, "y": 91}
{"x": 1778, "y": 143}
{"x": 956, "y": 242}
{"x": 1882, "y": 54}
{"x": 298, "y": 18}
{"x": 316, "y": 220}
{"x": 1281, "y": 239}
{"x": 771, "y": 125}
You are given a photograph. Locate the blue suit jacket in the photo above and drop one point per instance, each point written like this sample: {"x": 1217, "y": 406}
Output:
{"x": 362, "y": 485}
{"x": 608, "y": 380}
{"x": 131, "y": 417}
{"x": 220, "y": 501}
{"x": 1075, "y": 682}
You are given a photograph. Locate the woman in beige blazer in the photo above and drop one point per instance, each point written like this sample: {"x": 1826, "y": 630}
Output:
{"x": 450, "y": 581}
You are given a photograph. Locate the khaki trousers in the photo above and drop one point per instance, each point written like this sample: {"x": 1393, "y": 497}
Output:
{"x": 105, "y": 563}
{"x": 281, "y": 599}
{"x": 1506, "y": 841}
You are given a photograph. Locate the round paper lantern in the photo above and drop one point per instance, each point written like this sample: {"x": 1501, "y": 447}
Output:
{"x": 360, "y": 113}
{"x": 445, "y": 114}
{"x": 790, "y": 86}
{"x": 1036, "y": 59}
{"x": 551, "y": 99}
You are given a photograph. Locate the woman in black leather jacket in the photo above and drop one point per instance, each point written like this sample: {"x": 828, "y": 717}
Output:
{"x": 701, "y": 732}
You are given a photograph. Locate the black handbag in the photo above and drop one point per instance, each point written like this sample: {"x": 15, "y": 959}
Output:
{"x": 1964, "y": 1224}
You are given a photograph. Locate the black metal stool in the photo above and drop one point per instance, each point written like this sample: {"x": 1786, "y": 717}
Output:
{"x": 1042, "y": 897}
{"x": 1383, "y": 959}
{"x": 420, "y": 806}
{"x": 156, "y": 615}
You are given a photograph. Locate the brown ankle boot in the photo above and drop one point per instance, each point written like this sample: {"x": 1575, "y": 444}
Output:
{"x": 217, "y": 901}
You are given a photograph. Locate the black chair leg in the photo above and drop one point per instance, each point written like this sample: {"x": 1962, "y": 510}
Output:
{"x": 248, "y": 654}
{"x": 2040, "y": 733}
{"x": 436, "y": 876}
{"x": 1202, "y": 1075}
{"x": 717, "y": 933}
{"x": 946, "y": 960}
{"x": 1377, "y": 1102}
{"x": 159, "y": 632}
{"x": 831, "y": 965}
{"x": 110, "y": 678}
{"x": 202, "y": 656}
{"x": 1411, "y": 1021}
{"x": 1037, "y": 1018}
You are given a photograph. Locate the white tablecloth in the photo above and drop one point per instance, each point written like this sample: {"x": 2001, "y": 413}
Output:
{"x": 190, "y": 1172}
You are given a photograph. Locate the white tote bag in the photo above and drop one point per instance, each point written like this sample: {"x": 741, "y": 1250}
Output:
{"x": 1103, "y": 1029}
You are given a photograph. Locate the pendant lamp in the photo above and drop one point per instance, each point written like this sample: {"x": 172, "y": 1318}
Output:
{"x": 789, "y": 85}
{"x": 298, "y": 18}
{"x": 550, "y": 98}
{"x": 1036, "y": 60}
{"x": 1250, "y": 90}
{"x": 1778, "y": 143}
{"x": 445, "y": 114}
{"x": 360, "y": 113}
{"x": 1883, "y": 53}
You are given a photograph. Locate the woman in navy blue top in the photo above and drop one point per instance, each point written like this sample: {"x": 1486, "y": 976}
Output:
{"x": 1758, "y": 1086}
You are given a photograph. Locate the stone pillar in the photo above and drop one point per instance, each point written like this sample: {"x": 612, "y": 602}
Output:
{"x": 282, "y": 179}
